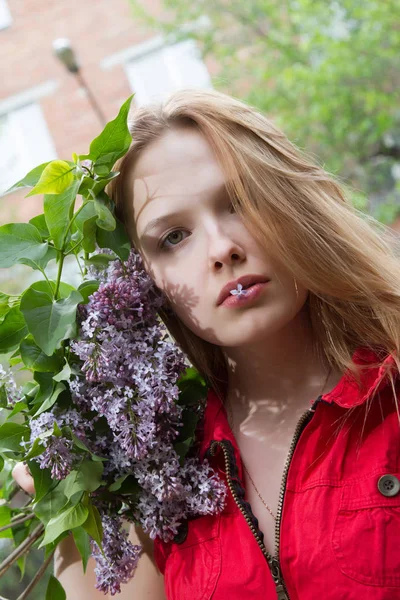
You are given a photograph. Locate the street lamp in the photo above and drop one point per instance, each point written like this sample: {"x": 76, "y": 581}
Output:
{"x": 65, "y": 53}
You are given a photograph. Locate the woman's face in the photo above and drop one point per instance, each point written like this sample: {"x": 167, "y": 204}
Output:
{"x": 203, "y": 244}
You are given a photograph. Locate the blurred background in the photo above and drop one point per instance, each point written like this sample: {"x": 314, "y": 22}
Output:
{"x": 327, "y": 72}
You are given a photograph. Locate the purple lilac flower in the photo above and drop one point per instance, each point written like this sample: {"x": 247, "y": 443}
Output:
{"x": 120, "y": 558}
{"x": 12, "y": 391}
{"x": 128, "y": 383}
{"x": 58, "y": 455}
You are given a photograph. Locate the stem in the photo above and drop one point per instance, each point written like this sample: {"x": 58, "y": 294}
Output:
{"x": 85, "y": 256}
{"x": 79, "y": 265}
{"x": 73, "y": 248}
{"x": 21, "y": 549}
{"x": 17, "y": 522}
{"x": 37, "y": 577}
{"x": 60, "y": 268}
{"x": 14, "y": 492}
{"x": 70, "y": 223}
{"x": 45, "y": 276}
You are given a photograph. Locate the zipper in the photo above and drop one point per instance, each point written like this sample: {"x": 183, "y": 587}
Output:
{"x": 273, "y": 561}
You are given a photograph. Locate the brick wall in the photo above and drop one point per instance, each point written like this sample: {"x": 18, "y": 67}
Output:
{"x": 97, "y": 29}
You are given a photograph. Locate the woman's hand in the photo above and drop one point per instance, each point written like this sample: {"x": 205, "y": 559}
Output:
{"x": 147, "y": 583}
{"x": 23, "y": 477}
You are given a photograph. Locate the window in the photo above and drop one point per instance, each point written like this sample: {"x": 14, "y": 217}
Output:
{"x": 160, "y": 71}
{"x": 25, "y": 142}
{"x": 5, "y": 15}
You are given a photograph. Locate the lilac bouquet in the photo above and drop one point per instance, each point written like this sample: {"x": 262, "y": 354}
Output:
{"x": 107, "y": 425}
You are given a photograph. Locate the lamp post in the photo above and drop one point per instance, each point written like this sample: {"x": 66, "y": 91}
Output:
{"x": 65, "y": 53}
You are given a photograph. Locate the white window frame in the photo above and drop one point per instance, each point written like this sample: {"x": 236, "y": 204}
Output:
{"x": 5, "y": 15}
{"x": 168, "y": 55}
{"x": 30, "y": 141}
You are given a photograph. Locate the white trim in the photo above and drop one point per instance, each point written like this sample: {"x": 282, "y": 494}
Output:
{"x": 28, "y": 96}
{"x": 5, "y": 15}
{"x": 133, "y": 52}
{"x": 26, "y": 142}
{"x": 150, "y": 45}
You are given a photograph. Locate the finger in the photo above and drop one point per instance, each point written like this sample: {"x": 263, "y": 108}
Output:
{"x": 23, "y": 477}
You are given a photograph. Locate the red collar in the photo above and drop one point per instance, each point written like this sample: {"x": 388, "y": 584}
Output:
{"x": 347, "y": 394}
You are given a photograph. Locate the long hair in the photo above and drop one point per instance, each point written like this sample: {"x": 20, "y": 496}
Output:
{"x": 296, "y": 210}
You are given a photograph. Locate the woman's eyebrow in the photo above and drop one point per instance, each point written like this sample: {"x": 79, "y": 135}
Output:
{"x": 161, "y": 220}
{"x": 221, "y": 190}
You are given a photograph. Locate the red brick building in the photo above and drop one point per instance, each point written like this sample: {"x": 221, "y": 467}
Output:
{"x": 44, "y": 111}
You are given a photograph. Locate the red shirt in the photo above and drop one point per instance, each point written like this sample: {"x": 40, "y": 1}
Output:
{"x": 339, "y": 532}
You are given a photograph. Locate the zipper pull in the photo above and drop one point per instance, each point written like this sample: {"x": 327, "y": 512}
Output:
{"x": 281, "y": 594}
{"x": 277, "y": 577}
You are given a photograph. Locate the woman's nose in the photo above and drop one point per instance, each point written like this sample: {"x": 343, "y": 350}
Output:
{"x": 224, "y": 250}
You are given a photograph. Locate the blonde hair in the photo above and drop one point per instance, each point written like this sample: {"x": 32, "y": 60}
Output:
{"x": 300, "y": 214}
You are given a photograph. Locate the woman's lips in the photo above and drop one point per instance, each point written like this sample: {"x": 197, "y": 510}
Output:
{"x": 252, "y": 292}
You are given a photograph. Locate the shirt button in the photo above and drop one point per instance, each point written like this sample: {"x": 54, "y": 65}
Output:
{"x": 389, "y": 485}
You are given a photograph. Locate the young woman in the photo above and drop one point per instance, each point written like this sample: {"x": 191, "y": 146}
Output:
{"x": 302, "y": 359}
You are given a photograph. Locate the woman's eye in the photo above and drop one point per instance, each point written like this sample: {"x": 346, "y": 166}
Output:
{"x": 174, "y": 237}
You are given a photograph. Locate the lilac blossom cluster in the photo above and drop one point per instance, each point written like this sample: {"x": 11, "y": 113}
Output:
{"x": 58, "y": 455}
{"x": 8, "y": 387}
{"x": 118, "y": 561}
{"x": 125, "y": 381}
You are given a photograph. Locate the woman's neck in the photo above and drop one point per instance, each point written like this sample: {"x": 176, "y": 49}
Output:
{"x": 285, "y": 370}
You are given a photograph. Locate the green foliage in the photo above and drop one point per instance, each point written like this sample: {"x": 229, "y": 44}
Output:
{"x": 38, "y": 326}
{"x": 325, "y": 71}
{"x": 20, "y": 241}
{"x": 49, "y": 321}
{"x": 55, "y": 590}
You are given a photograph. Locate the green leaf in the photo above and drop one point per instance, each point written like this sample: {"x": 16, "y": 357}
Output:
{"x": 87, "y": 478}
{"x": 55, "y": 590}
{"x": 116, "y": 240}
{"x": 193, "y": 389}
{"x": 12, "y": 330}
{"x": 37, "y": 448}
{"x": 29, "y": 180}
{"x": 64, "y": 374}
{"x": 20, "y": 240}
{"x": 114, "y": 487}
{"x": 85, "y": 226}
{"x": 5, "y": 518}
{"x": 40, "y": 264}
{"x": 92, "y": 187}
{"x": 43, "y": 482}
{"x": 3, "y": 396}
{"x": 11, "y": 435}
{"x": 40, "y": 223}
{"x": 34, "y": 358}
{"x": 58, "y": 210}
{"x": 49, "y": 402}
{"x": 114, "y": 140}
{"x": 49, "y": 321}
{"x": 82, "y": 542}
{"x": 100, "y": 260}
{"x": 87, "y": 288}
{"x": 182, "y": 448}
{"x": 69, "y": 518}
{"x": 93, "y": 525}
{"x": 46, "y": 386}
{"x": 105, "y": 218}
{"x": 18, "y": 407}
{"x": 56, "y": 177}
